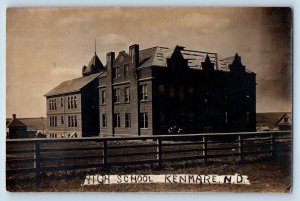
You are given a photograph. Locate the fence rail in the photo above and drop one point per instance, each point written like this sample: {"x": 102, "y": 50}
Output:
{"x": 40, "y": 155}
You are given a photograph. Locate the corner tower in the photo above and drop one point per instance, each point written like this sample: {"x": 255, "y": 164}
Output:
{"x": 94, "y": 66}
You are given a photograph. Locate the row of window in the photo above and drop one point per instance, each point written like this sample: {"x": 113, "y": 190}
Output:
{"x": 116, "y": 94}
{"x": 117, "y": 120}
{"x": 182, "y": 91}
{"x": 72, "y": 121}
{"x": 72, "y": 103}
{"x": 116, "y": 71}
{"x": 54, "y": 135}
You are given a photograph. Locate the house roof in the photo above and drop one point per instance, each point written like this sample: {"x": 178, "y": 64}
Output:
{"x": 282, "y": 121}
{"x": 34, "y": 123}
{"x": 73, "y": 85}
{"x": 15, "y": 123}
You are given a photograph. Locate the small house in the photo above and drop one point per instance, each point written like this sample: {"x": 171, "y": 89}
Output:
{"x": 16, "y": 128}
{"x": 285, "y": 122}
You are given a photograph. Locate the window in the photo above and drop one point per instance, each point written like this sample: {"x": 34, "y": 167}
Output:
{"x": 143, "y": 92}
{"x": 116, "y": 95}
{"x": 126, "y": 71}
{"x": 62, "y": 135}
{"x": 104, "y": 120}
{"x": 72, "y": 102}
{"x": 127, "y": 94}
{"x": 69, "y": 121}
{"x": 75, "y": 121}
{"x": 116, "y": 73}
{"x": 248, "y": 117}
{"x": 72, "y": 121}
{"x": 191, "y": 90}
{"x": 162, "y": 118}
{"x": 127, "y": 120}
{"x": 172, "y": 91}
{"x": 69, "y": 103}
{"x": 103, "y": 96}
{"x": 161, "y": 89}
{"x": 207, "y": 129}
{"x": 62, "y": 121}
{"x": 75, "y": 102}
{"x": 61, "y": 102}
{"x": 117, "y": 120}
{"x": 52, "y": 104}
{"x": 181, "y": 93}
{"x": 144, "y": 120}
{"x": 53, "y": 121}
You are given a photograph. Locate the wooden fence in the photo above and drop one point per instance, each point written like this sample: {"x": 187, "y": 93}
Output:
{"x": 41, "y": 155}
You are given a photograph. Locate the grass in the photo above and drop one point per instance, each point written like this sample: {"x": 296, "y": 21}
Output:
{"x": 265, "y": 175}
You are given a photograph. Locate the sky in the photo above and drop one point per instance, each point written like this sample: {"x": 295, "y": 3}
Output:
{"x": 48, "y": 46}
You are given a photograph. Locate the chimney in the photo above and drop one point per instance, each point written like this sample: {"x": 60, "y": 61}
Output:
{"x": 14, "y": 116}
{"x": 110, "y": 57}
{"x": 134, "y": 52}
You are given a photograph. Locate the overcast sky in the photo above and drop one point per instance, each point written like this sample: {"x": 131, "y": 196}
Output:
{"x": 48, "y": 46}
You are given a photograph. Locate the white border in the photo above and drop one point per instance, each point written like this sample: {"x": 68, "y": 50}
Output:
{"x": 148, "y": 196}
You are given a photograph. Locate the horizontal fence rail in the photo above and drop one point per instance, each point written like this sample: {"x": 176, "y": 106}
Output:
{"x": 41, "y": 155}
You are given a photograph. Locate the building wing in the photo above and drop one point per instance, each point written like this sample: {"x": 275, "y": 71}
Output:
{"x": 73, "y": 85}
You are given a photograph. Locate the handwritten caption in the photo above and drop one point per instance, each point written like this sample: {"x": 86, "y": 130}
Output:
{"x": 166, "y": 178}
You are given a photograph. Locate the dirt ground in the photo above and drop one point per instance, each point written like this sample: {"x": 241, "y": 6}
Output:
{"x": 267, "y": 175}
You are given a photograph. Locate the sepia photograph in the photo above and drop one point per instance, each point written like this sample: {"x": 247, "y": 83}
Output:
{"x": 164, "y": 99}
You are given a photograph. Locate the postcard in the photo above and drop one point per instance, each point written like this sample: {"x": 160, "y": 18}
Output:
{"x": 149, "y": 99}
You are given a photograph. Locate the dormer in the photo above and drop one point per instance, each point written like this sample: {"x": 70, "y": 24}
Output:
{"x": 207, "y": 65}
{"x": 177, "y": 59}
{"x": 237, "y": 66}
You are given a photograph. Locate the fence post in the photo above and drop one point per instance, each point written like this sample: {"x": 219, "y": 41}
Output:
{"x": 37, "y": 164}
{"x": 104, "y": 153}
{"x": 241, "y": 147}
{"x": 273, "y": 144}
{"x": 204, "y": 152}
{"x": 159, "y": 152}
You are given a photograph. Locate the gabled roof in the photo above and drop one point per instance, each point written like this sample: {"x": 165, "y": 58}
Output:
{"x": 33, "y": 123}
{"x": 282, "y": 120}
{"x": 15, "y": 122}
{"x": 72, "y": 85}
